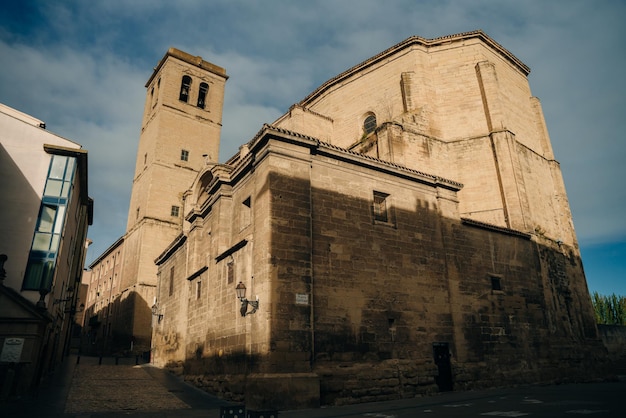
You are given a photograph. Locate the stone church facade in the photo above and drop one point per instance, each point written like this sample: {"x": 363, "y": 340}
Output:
{"x": 403, "y": 229}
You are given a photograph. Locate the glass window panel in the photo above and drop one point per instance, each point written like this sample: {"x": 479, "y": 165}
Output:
{"x": 46, "y": 219}
{"x": 34, "y": 272}
{"x": 66, "y": 189}
{"x": 48, "y": 272}
{"x": 58, "y": 223}
{"x": 57, "y": 167}
{"x": 69, "y": 172}
{"x": 39, "y": 274}
{"x": 41, "y": 242}
{"x": 54, "y": 245}
{"x": 53, "y": 188}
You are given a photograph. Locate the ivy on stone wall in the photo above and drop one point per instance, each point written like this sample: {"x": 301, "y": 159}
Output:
{"x": 609, "y": 310}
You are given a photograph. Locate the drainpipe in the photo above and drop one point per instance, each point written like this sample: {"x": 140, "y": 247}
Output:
{"x": 312, "y": 280}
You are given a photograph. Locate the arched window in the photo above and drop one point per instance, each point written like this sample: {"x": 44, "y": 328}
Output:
{"x": 184, "y": 88}
{"x": 369, "y": 124}
{"x": 204, "y": 88}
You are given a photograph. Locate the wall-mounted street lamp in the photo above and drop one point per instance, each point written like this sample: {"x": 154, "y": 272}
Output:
{"x": 155, "y": 312}
{"x": 241, "y": 294}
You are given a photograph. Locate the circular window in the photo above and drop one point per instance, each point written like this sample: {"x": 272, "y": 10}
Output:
{"x": 369, "y": 124}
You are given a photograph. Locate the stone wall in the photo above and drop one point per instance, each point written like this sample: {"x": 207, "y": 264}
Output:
{"x": 614, "y": 339}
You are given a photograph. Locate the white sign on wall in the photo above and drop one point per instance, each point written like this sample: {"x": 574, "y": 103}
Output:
{"x": 302, "y": 298}
{"x": 12, "y": 350}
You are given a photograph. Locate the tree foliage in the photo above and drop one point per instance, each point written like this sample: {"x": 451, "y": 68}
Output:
{"x": 609, "y": 310}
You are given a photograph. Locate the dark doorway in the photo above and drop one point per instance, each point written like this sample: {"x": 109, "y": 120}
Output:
{"x": 441, "y": 354}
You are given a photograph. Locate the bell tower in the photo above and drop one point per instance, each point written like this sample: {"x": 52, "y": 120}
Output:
{"x": 180, "y": 133}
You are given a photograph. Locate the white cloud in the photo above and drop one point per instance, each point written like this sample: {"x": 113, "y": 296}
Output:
{"x": 83, "y": 69}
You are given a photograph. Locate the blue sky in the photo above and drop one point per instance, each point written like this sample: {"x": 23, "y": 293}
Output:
{"x": 81, "y": 66}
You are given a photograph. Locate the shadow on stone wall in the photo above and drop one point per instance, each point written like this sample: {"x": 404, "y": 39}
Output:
{"x": 109, "y": 331}
{"x": 512, "y": 308}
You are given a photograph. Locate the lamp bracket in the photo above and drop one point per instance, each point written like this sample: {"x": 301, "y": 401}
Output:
{"x": 244, "y": 306}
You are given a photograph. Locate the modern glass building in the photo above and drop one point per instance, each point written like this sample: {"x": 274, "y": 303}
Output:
{"x": 44, "y": 216}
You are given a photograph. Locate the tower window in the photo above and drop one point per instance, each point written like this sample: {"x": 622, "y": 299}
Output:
{"x": 184, "y": 89}
{"x": 380, "y": 207}
{"x": 184, "y": 155}
{"x": 175, "y": 210}
{"x": 204, "y": 88}
{"x": 369, "y": 124}
{"x": 496, "y": 283}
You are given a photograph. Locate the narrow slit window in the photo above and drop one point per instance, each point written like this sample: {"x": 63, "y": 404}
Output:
{"x": 184, "y": 89}
{"x": 246, "y": 213}
{"x": 230, "y": 272}
{"x": 202, "y": 92}
{"x": 171, "y": 281}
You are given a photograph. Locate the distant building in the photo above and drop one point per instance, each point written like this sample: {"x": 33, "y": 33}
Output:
{"x": 44, "y": 216}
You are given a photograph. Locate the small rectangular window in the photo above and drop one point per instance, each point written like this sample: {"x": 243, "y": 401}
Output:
{"x": 175, "y": 211}
{"x": 198, "y": 289}
{"x": 496, "y": 283}
{"x": 184, "y": 155}
{"x": 380, "y": 207}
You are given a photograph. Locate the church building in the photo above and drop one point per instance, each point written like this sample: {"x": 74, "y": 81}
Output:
{"x": 403, "y": 229}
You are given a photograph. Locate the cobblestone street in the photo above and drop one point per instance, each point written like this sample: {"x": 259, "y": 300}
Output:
{"x": 110, "y": 388}
{"x": 88, "y": 387}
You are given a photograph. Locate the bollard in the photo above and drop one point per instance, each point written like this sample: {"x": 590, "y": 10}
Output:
{"x": 137, "y": 359}
{"x": 233, "y": 411}
{"x": 77, "y": 359}
{"x": 100, "y": 361}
